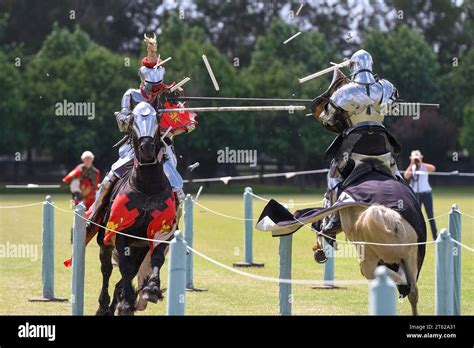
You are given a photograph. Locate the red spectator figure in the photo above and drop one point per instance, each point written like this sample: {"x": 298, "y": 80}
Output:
{"x": 84, "y": 180}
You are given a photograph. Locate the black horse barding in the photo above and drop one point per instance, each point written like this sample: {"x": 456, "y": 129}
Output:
{"x": 142, "y": 204}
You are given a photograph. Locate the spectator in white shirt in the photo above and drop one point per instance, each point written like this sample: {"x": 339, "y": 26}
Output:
{"x": 417, "y": 175}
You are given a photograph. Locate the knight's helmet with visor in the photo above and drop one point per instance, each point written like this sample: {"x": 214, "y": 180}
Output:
{"x": 361, "y": 67}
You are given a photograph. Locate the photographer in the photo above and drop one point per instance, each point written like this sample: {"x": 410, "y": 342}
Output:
{"x": 417, "y": 175}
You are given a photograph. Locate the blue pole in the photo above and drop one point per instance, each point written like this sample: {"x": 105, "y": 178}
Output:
{"x": 47, "y": 274}
{"x": 444, "y": 298}
{"x": 284, "y": 252}
{"x": 248, "y": 232}
{"x": 455, "y": 232}
{"x": 248, "y": 214}
{"x": 382, "y": 294}
{"x": 328, "y": 266}
{"x": 188, "y": 237}
{"x": 177, "y": 275}
{"x": 78, "y": 259}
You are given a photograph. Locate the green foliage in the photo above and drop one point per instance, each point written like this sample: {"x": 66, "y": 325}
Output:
{"x": 467, "y": 132}
{"x": 73, "y": 67}
{"x": 274, "y": 72}
{"x": 12, "y": 137}
{"x": 404, "y": 58}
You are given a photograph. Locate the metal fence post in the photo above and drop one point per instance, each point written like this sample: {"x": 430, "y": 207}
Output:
{"x": 177, "y": 275}
{"x": 78, "y": 259}
{"x": 47, "y": 262}
{"x": 382, "y": 294}
{"x": 329, "y": 266}
{"x": 444, "y": 297}
{"x": 284, "y": 252}
{"x": 189, "y": 238}
{"x": 455, "y": 232}
{"x": 248, "y": 232}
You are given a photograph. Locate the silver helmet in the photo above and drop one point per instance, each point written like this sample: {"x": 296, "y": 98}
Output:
{"x": 361, "y": 67}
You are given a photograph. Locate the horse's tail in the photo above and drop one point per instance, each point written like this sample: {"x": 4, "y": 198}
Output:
{"x": 378, "y": 218}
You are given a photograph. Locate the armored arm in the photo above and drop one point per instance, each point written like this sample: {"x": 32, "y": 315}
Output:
{"x": 125, "y": 117}
{"x": 389, "y": 93}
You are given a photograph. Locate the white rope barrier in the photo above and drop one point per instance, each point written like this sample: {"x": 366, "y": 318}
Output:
{"x": 288, "y": 175}
{"x": 250, "y": 275}
{"x": 20, "y": 206}
{"x": 276, "y": 280}
{"x": 220, "y": 264}
{"x": 291, "y": 204}
{"x": 223, "y": 215}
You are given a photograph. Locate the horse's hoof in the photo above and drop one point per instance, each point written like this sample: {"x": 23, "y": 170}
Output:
{"x": 320, "y": 256}
{"x": 104, "y": 311}
{"x": 125, "y": 309}
{"x": 152, "y": 294}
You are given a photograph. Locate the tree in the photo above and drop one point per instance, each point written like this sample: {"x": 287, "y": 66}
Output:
{"x": 274, "y": 71}
{"x": 70, "y": 67}
{"x": 404, "y": 58}
{"x": 11, "y": 105}
{"x": 186, "y": 45}
{"x": 467, "y": 131}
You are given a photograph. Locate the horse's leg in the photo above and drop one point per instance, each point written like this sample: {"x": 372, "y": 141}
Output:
{"x": 410, "y": 265}
{"x": 105, "y": 256}
{"x": 127, "y": 304}
{"x": 117, "y": 297}
{"x": 152, "y": 291}
{"x": 143, "y": 275}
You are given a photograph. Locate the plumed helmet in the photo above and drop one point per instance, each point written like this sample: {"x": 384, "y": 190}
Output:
{"x": 361, "y": 67}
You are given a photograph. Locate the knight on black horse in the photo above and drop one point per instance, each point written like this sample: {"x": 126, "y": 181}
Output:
{"x": 353, "y": 108}
{"x": 142, "y": 194}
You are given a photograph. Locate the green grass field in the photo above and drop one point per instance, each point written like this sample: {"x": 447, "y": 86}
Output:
{"x": 221, "y": 239}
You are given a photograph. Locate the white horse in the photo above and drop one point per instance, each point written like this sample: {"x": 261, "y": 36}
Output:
{"x": 382, "y": 225}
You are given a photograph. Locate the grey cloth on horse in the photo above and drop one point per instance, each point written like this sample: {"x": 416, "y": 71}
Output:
{"x": 378, "y": 188}
{"x": 369, "y": 189}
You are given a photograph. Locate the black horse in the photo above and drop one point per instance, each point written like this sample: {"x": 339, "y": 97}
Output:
{"x": 142, "y": 204}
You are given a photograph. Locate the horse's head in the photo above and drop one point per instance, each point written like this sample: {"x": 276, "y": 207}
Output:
{"x": 145, "y": 134}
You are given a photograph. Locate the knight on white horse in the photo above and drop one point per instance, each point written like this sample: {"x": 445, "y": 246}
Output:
{"x": 353, "y": 108}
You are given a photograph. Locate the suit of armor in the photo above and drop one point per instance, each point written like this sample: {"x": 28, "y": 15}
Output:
{"x": 355, "y": 112}
{"x": 152, "y": 90}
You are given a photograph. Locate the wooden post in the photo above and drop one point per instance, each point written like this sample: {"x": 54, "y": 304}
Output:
{"x": 78, "y": 259}
{"x": 455, "y": 232}
{"x": 382, "y": 294}
{"x": 177, "y": 276}
{"x": 248, "y": 232}
{"x": 444, "y": 296}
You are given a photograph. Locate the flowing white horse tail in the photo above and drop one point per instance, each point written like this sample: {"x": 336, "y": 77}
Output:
{"x": 378, "y": 218}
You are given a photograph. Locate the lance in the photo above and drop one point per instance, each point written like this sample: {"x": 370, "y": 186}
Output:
{"x": 238, "y": 108}
{"x": 236, "y": 99}
{"x": 324, "y": 71}
{"x": 289, "y": 100}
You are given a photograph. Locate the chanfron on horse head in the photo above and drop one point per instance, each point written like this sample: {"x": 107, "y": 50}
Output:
{"x": 143, "y": 205}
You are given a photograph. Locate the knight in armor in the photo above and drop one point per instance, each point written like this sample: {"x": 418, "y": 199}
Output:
{"x": 354, "y": 109}
{"x": 159, "y": 95}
